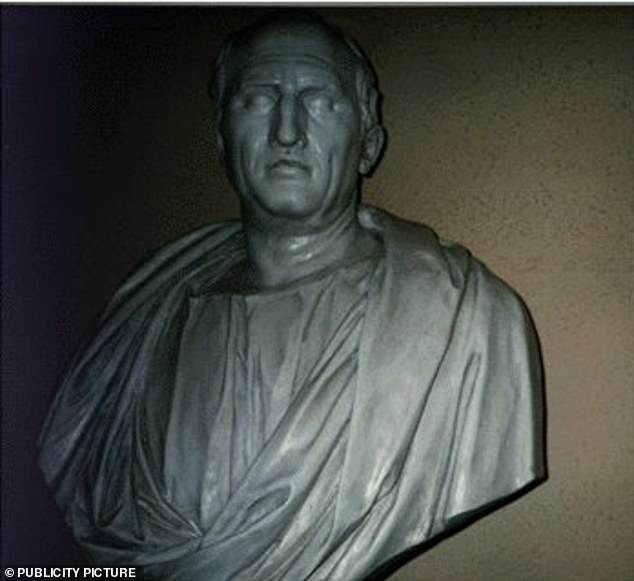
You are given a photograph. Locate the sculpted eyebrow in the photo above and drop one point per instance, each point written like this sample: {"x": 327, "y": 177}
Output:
{"x": 246, "y": 85}
{"x": 255, "y": 84}
{"x": 307, "y": 85}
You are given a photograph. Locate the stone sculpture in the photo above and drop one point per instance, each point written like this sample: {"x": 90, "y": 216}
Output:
{"x": 311, "y": 391}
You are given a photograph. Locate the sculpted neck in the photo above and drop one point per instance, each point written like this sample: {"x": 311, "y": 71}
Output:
{"x": 282, "y": 251}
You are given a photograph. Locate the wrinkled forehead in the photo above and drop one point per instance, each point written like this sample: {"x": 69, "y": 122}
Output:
{"x": 294, "y": 43}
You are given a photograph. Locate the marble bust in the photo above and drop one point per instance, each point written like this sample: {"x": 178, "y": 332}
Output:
{"x": 313, "y": 390}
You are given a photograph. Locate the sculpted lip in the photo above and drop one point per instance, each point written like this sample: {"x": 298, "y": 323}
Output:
{"x": 288, "y": 165}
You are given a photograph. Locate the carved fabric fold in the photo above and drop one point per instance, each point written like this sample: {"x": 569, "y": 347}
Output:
{"x": 418, "y": 406}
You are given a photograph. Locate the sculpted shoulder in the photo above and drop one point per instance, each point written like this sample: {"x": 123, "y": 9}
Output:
{"x": 427, "y": 264}
{"x": 204, "y": 250}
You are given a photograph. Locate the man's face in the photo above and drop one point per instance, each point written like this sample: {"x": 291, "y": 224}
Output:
{"x": 291, "y": 128}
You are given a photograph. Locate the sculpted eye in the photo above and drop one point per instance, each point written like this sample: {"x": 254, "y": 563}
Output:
{"x": 258, "y": 100}
{"x": 319, "y": 101}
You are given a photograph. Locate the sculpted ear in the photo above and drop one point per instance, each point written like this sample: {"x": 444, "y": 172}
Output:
{"x": 371, "y": 148}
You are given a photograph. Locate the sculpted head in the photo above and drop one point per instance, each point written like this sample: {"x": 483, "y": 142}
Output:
{"x": 296, "y": 118}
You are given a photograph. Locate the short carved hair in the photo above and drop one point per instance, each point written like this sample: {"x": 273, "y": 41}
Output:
{"x": 365, "y": 82}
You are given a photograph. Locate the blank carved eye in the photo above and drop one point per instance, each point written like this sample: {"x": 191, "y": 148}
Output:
{"x": 318, "y": 101}
{"x": 258, "y": 100}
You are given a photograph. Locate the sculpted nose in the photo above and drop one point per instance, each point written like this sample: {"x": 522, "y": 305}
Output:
{"x": 288, "y": 129}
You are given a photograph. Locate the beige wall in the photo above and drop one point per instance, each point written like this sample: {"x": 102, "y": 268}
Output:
{"x": 510, "y": 131}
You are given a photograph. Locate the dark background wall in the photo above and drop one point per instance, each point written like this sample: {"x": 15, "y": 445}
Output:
{"x": 510, "y": 130}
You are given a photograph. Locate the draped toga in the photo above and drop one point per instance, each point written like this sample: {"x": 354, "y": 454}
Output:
{"x": 310, "y": 432}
